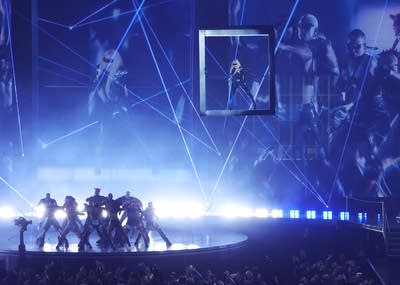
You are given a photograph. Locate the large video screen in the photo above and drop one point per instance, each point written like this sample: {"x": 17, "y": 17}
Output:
{"x": 119, "y": 100}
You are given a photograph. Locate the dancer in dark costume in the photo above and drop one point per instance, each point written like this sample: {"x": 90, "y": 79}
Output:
{"x": 49, "y": 219}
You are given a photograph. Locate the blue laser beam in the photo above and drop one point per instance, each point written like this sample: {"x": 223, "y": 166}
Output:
{"x": 178, "y": 78}
{"x": 21, "y": 141}
{"x": 171, "y": 105}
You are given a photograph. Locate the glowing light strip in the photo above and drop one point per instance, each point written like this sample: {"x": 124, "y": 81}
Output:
{"x": 17, "y": 192}
{"x": 172, "y": 107}
{"x": 21, "y": 141}
{"x": 356, "y": 106}
{"x": 178, "y": 78}
{"x": 92, "y": 14}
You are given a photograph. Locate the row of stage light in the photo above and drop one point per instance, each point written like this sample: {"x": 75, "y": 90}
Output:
{"x": 195, "y": 210}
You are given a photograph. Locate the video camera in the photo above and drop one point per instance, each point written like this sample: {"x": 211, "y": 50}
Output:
{"x": 22, "y": 223}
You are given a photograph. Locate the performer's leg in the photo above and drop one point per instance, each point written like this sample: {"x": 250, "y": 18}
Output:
{"x": 162, "y": 234}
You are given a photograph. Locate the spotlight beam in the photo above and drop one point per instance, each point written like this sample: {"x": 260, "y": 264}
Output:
{"x": 171, "y": 105}
{"x": 21, "y": 141}
{"x": 179, "y": 79}
{"x": 356, "y": 106}
{"x": 17, "y": 192}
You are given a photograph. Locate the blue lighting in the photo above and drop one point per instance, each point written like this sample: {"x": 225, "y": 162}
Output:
{"x": 327, "y": 215}
{"x": 344, "y": 216}
{"x": 310, "y": 214}
{"x": 294, "y": 214}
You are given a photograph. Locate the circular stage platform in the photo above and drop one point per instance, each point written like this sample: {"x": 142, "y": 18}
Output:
{"x": 185, "y": 240}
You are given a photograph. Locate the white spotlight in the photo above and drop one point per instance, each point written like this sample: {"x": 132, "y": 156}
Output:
{"x": 40, "y": 211}
{"x": 60, "y": 214}
{"x": 7, "y": 213}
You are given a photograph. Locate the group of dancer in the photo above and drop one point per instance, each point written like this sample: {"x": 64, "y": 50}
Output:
{"x": 109, "y": 228}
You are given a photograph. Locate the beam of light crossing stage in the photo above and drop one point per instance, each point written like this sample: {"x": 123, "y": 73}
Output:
{"x": 241, "y": 23}
{"x": 8, "y": 21}
{"x": 45, "y": 145}
{"x": 356, "y": 105}
{"x": 17, "y": 192}
{"x": 123, "y": 13}
{"x": 103, "y": 74}
{"x": 316, "y": 194}
{"x": 56, "y": 40}
{"x": 171, "y": 120}
{"x": 179, "y": 79}
{"x": 92, "y": 14}
{"x": 172, "y": 107}
{"x": 214, "y": 190}
{"x": 279, "y": 41}
{"x": 53, "y": 23}
{"x": 314, "y": 191}
{"x": 45, "y": 59}
{"x": 50, "y": 71}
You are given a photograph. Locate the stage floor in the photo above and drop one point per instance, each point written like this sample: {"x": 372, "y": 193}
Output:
{"x": 183, "y": 240}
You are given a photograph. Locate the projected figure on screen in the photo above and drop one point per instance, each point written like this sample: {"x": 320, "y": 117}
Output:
{"x": 237, "y": 80}
{"x": 109, "y": 91}
{"x": 396, "y": 29}
{"x": 107, "y": 102}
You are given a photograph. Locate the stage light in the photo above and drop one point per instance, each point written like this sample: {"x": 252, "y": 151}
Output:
{"x": 294, "y": 214}
{"x": 344, "y": 216}
{"x": 40, "y": 211}
{"x": 104, "y": 214}
{"x": 244, "y": 212}
{"x": 261, "y": 213}
{"x": 310, "y": 214}
{"x": 277, "y": 213}
{"x": 7, "y": 213}
{"x": 60, "y": 214}
{"x": 80, "y": 207}
{"x": 327, "y": 215}
{"x": 116, "y": 13}
{"x": 229, "y": 211}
